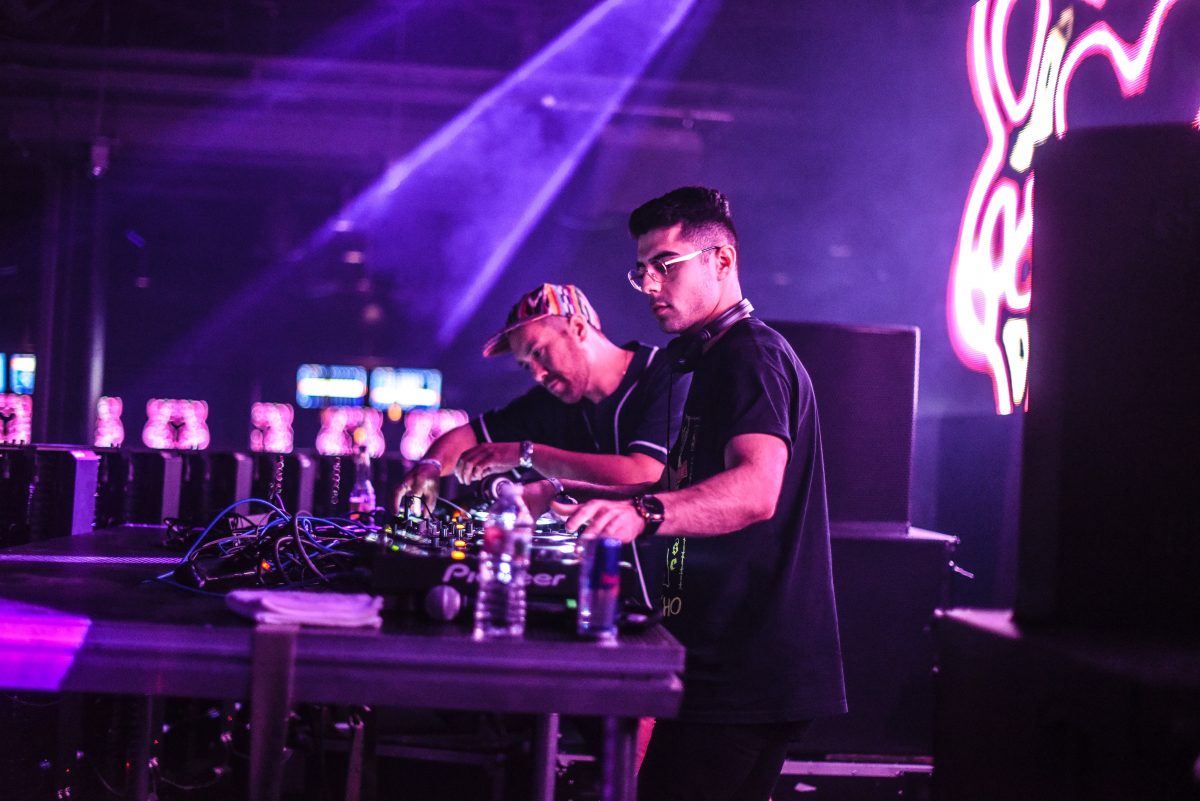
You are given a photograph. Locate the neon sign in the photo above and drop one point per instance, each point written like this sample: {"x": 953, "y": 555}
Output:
{"x": 988, "y": 295}
{"x": 405, "y": 388}
{"x": 22, "y": 369}
{"x": 320, "y": 385}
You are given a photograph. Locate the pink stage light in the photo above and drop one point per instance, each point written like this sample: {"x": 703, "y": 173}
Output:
{"x": 176, "y": 424}
{"x": 271, "y": 428}
{"x": 110, "y": 431}
{"x": 990, "y": 275}
{"x": 422, "y": 427}
{"x": 344, "y": 428}
{"x": 16, "y": 415}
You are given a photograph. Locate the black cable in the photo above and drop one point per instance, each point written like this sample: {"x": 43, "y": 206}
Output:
{"x": 670, "y": 411}
{"x": 284, "y": 549}
{"x": 100, "y": 777}
{"x": 303, "y": 552}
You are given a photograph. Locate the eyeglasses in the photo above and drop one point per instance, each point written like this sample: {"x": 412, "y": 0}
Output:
{"x": 661, "y": 269}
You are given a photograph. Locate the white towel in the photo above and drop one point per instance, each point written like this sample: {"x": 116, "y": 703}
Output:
{"x": 307, "y": 608}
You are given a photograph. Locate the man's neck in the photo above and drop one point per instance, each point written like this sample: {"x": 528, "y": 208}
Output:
{"x": 725, "y": 305}
{"x": 608, "y": 371}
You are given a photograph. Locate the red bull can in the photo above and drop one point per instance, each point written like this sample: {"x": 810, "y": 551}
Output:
{"x": 599, "y": 588}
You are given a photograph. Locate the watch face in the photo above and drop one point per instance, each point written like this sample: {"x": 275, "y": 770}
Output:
{"x": 653, "y": 508}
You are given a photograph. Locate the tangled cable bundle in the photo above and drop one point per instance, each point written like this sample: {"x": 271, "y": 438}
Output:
{"x": 280, "y": 550}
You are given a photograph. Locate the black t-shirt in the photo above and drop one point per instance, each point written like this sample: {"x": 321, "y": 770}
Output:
{"x": 755, "y": 608}
{"x": 633, "y": 419}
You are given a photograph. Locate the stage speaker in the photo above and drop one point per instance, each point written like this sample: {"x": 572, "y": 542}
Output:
{"x": 211, "y": 481}
{"x": 46, "y": 491}
{"x": 1109, "y": 528}
{"x": 853, "y": 781}
{"x": 865, "y": 379}
{"x": 17, "y": 471}
{"x": 64, "y": 493}
{"x": 114, "y": 487}
{"x": 299, "y": 476}
{"x": 331, "y": 490}
{"x": 1042, "y": 715}
{"x": 888, "y": 590}
{"x": 157, "y": 477}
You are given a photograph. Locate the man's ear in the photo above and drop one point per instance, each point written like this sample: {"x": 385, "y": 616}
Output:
{"x": 726, "y": 259}
{"x": 577, "y": 327}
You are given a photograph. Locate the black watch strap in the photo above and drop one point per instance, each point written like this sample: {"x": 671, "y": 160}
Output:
{"x": 651, "y": 510}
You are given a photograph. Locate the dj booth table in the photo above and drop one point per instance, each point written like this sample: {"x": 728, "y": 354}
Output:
{"x": 79, "y": 615}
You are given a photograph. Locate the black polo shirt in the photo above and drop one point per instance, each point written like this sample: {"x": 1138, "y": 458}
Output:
{"x": 633, "y": 419}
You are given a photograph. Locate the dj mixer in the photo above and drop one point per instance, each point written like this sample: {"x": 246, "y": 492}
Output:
{"x": 431, "y": 564}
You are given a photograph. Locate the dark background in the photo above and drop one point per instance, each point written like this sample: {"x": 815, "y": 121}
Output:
{"x": 229, "y": 132}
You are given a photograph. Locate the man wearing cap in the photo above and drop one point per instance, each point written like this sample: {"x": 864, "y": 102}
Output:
{"x": 598, "y": 414}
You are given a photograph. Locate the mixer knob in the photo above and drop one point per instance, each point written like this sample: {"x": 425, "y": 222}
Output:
{"x": 443, "y": 602}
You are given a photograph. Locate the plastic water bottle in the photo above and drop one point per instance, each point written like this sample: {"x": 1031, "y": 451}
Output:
{"x": 362, "y": 494}
{"x": 504, "y": 566}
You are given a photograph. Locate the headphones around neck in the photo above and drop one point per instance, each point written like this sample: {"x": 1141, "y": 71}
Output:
{"x": 690, "y": 346}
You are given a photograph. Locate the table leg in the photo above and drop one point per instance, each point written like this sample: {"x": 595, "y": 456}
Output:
{"x": 616, "y": 770}
{"x": 271, "y": 672}
{"x": 370, "y": 779}
{"x": 545, "y": 755}
{"x": 141, "y": 712}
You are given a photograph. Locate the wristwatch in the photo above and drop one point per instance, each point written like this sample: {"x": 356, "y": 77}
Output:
{"x": 651, "y": 510}
{"x": 526, "y": 459}
{"x": 561, "y": 493}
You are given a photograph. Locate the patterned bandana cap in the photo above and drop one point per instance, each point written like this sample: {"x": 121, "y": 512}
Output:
{"x": 548, "y": 300}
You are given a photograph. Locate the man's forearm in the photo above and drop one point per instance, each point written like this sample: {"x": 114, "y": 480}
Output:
{"x": 449, "y": 446}
{"x": 745, "y": 493}
{"x": 586, "y": 491}
{"x": 721, "y": 504}
{"x": 596, "y": 468}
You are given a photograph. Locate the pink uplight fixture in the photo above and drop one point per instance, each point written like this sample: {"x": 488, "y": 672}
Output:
{"x": 110, "y": 431}
{"x": 16, "y": 415}
{"x": 344, "y": 428}
{"x": 176, "y": 424}
{"x": 271, "y": 428}
{"x": 422, "y": 427}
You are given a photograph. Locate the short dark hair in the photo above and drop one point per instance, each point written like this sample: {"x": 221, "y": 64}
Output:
{"x": 702, "y": 212}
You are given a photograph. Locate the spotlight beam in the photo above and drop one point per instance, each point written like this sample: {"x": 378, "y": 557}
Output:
{"x": 488, "y": 175}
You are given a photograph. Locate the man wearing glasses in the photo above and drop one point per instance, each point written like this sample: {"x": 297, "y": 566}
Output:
{"x": 599, "y": 413}
{"x": 739, "y": 517}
